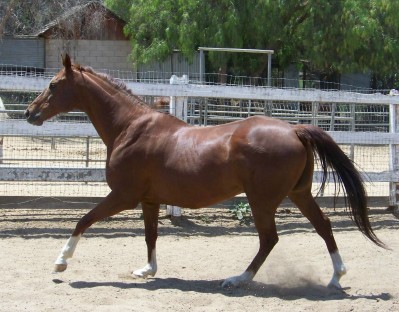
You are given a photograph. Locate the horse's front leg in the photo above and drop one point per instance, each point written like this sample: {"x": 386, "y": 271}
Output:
{"x": 150, "y": 213}
{"x": 110, "y": 206}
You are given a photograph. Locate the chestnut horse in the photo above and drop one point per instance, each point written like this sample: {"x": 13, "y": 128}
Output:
{"x": 155, "y": 158}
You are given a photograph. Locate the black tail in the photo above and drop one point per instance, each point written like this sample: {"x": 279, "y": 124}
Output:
{"x": 344, "y": 173}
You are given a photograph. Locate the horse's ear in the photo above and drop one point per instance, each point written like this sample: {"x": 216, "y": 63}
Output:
{"x": 66, "y": 61}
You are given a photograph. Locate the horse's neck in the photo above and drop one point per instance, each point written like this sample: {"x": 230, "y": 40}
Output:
{"x": 112, "y": 114}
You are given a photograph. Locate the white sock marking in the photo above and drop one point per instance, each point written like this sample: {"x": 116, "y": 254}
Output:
{"x": 339, "y": 270}
{"x": 244, "y": 278}
{"x": 150, "y": 268}
{"x": 68, "y": 250}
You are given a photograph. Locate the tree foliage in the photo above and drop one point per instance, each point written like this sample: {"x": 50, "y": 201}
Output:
{"x": 350, "y": 35}
{"x": 330, "y": 36}
{"x": 333, "y": 35}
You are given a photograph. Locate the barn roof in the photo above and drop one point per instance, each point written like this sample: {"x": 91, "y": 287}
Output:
{"x": 74, "y": 21}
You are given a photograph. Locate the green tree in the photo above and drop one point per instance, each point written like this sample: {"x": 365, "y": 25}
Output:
{"x": 350, "y": 35}
{"x": 333, "y": 36}
{"x": 159, "y": 26}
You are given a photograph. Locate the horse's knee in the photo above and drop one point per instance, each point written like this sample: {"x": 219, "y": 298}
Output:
{"x": 82, "y": 225}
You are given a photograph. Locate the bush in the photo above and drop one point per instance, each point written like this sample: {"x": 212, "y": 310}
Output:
{"x": 242, "y": 212}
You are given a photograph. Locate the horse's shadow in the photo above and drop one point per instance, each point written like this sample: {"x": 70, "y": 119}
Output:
{"x": 308, "y": 289}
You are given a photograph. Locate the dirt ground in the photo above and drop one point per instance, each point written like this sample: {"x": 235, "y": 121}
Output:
{"x": 195, "y": 254}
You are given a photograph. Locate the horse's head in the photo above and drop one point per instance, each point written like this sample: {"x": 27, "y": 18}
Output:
{"x": 58, "y": 97}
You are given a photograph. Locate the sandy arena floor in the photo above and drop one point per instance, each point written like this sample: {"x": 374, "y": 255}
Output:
{"x": 194, "y": 256}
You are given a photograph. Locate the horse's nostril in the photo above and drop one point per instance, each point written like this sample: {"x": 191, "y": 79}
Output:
{"x": 27, "y": 113}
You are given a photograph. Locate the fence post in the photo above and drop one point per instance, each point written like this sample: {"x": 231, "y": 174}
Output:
{"x": 315, "y": 112}
{"x": 1, "y": 150}
{"x": 178, "y": 104}
{"x": 352, "y": 108}
{"x": 178, "y": 108}
{"x": 394, "y": 158}
{"x": 87, "y": 151}
{"x": 2, "y": 117}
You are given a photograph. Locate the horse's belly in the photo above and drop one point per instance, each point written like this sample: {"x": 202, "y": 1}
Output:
{"x": 194, "y": 192}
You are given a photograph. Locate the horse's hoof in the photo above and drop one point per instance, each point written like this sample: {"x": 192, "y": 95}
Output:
{"x": 335, "y": 285}
{"x": 240, "y": 280}
{"x": 143, "y": 274}
{"x": 227, "y": 285}
{"x": 231, "y": 283}
{"x": 60, "y": 267}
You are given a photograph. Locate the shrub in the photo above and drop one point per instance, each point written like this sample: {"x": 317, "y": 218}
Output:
{"x": 242, "y": 212}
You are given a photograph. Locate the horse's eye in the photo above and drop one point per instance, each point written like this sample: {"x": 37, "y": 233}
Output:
{"x": 52, "y": 86}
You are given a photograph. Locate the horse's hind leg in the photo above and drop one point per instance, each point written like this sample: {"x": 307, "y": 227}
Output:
{"x": 150, "y": 213}
{"x": 311, "y": 210}
{"x": 265, "y": 224}
{"x": 110, "y": 206}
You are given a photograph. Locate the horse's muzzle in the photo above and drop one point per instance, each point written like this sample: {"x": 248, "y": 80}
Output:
{"x": 33, "y": 119}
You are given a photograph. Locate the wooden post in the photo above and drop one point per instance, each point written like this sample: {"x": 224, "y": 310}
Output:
{"x": 178, "y": 108}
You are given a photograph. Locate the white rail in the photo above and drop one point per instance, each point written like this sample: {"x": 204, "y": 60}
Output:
{"x": 218, "y": 91}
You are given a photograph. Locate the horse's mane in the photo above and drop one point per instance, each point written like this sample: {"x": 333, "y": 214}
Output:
{"x": 121, "y": 86}
{"x": 116, "y": 83}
